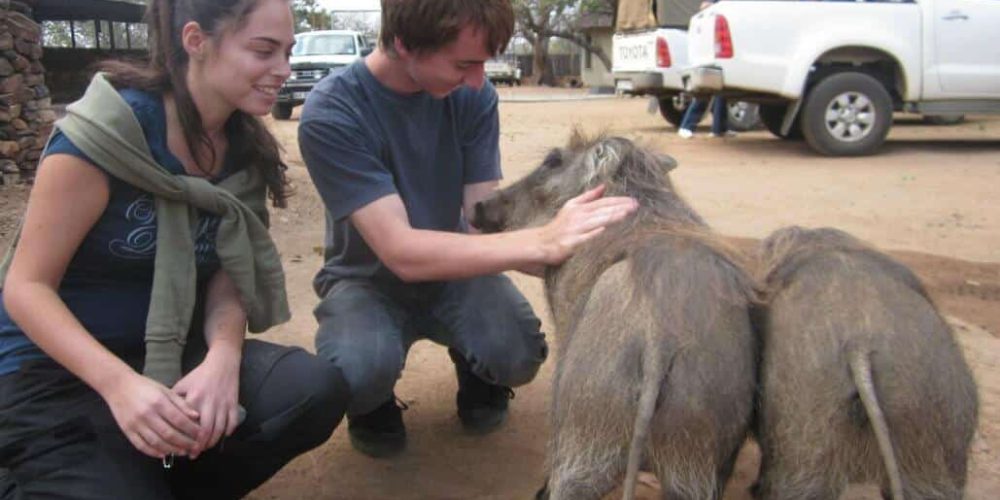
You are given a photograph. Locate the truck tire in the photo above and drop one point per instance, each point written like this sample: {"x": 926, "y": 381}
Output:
{"x": 672, "y": 109}
{"x": 772, "y": 116}
{"x": 847, "y": 114}
{"x": 281, "y": 111}
{"x": 742, "y": 116}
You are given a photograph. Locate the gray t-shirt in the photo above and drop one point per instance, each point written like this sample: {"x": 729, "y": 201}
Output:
{"x": 362, "y": 141}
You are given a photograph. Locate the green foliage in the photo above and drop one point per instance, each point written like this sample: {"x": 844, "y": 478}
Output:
{"x": 56, "y": 34}
{"x": 309, "y": 16}
{"x": 599, "y": 6}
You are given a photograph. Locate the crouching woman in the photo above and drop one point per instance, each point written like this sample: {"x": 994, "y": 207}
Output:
{"x": 143, "y": 257}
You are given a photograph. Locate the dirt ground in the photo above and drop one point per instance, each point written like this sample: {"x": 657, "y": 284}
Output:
{"x": 929, "y": 198}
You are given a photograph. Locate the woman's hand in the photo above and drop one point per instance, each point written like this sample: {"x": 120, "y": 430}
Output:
{"x": 155, "y": 420}
{"x": 213, "y": 389}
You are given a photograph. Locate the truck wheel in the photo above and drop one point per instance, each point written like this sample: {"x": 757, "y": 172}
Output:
{"x": 281, "y": 111}
{"x": 743, "y": 116}
{"x": 672, "y": 109}
{"x": 847, "y": 114}
{"x": 772, "y": 116}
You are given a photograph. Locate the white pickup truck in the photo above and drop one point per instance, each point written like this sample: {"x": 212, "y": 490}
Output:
{"x": 834, "y": 72}
{"x": 649, "y": 50}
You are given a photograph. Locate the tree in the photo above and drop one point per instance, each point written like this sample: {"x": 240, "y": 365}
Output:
{"x": 541, "y": 20}
{"x": 56, "y": 34}
{"x": 355, "y": 22}
{"x": 310, "y": 16}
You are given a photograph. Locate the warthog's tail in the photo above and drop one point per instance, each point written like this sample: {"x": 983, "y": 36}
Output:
{"x": 861, "y": 370}
{"x": 652, "y": 376}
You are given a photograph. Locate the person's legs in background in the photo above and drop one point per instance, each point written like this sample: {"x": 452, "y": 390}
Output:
{"x": 720, "y": 118}
{"x": 693, "y": 115}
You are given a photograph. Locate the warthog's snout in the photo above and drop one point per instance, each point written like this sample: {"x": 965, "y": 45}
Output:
{"x": 485, "y": 218}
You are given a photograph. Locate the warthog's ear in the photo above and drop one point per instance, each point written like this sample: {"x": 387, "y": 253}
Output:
{"x": 666, "y": 161}
{"x": 602, "y": 161}
{"x": 554, "y": 159}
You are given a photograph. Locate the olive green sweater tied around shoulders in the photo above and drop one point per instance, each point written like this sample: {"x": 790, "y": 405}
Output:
{"x": 102, "y": 125}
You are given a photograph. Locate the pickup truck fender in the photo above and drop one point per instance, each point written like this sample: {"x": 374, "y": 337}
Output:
{"x": 862, "y": 41}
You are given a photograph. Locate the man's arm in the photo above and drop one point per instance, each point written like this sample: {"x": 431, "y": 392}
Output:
{"x": 423, "y": 255}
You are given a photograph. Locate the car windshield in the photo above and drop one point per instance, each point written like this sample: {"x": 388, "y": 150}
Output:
{"x": 335, "y": 45}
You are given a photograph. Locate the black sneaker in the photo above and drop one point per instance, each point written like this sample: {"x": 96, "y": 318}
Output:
{"x": 482, "y": 406}
{"x": 379, "y": 433}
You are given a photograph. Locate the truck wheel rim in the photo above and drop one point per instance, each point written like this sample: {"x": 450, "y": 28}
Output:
{"x": 678, "y": 102}
{"x": 738, "y": 110}
{"x": 850, "y": 117}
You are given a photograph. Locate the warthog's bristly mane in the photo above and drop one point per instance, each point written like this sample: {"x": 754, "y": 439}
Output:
{"x": 787, "y": 250}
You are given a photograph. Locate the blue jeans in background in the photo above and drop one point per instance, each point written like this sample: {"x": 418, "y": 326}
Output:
{"x": 696, "y": 111}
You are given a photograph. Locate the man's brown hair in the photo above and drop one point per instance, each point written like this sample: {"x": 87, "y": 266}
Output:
{"x": 424, "y": 26}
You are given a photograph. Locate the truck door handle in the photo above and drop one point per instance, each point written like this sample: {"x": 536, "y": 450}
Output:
{"x": 956, "y": 16}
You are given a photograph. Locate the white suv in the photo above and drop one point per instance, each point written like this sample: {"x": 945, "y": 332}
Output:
{"x": 315, "y": 55}
{"x": 503, "y": 70}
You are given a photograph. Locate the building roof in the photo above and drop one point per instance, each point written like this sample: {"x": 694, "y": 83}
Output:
{"x": 78, "y": 10}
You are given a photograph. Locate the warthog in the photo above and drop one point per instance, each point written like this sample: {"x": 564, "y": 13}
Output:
{"x": 860, "y": 377}
{"x": 656, "y": 352}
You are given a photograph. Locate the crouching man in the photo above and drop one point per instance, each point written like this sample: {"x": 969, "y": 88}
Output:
{"x": 401, "y": 146}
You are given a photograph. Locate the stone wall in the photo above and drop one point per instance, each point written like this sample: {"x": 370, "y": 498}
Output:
{"x": 26, "y": 114}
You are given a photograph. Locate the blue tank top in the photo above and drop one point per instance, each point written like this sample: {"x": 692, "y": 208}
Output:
{"x": 108, "y": 282}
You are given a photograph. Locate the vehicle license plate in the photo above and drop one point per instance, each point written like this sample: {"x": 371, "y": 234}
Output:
{"x": 624, "y": 85}
{"x": 299, "y": 95}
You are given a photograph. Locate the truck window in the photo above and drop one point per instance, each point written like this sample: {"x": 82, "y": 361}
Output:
{"x": 336, "y": 45}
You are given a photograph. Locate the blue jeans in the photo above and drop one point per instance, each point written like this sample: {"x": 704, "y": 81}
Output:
{"x": 366, "y": 330}
{"x": 696, "y": 111}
